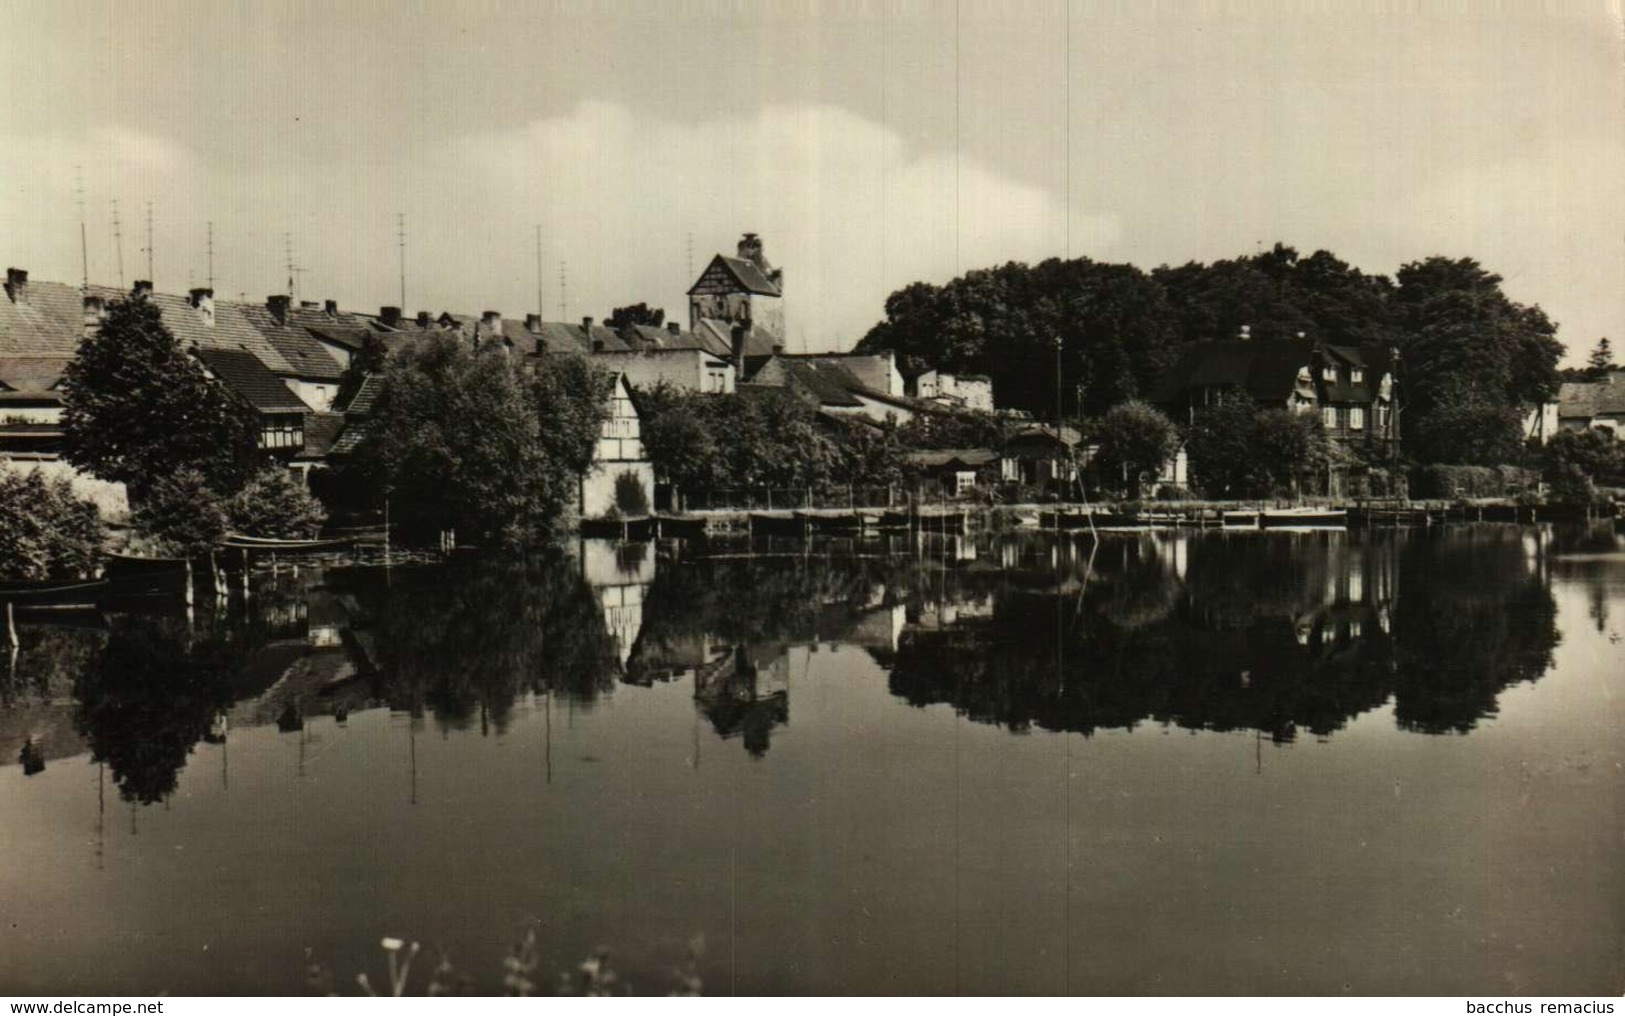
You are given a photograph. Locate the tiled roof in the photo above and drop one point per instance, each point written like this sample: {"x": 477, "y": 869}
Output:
{"x": 559, "y": 337}
{"x": 31, "y": 373}
{"x": 47, "y": 321}
{"x": 231, "y": 329}
{"x": 348, "y": 441}
{"x": 362, "y": 401}
{"x": 830, "y": 384}
{"x": 1587, "y": 399}
{"x": 321, "y": 431}
{"x": 750, "y": 276}
{"x": 306, "y": 358}
{"x": 243, "y": 373}
{"x": 948, "y": 458}
{"x": 716, "y": 336}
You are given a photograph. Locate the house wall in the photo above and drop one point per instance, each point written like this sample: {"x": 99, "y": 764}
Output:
{"x": 620, "y": 450}
{"x": 318, "y": 395}
{"x": 690, "y": 370}
{"x": 31, "y": 414}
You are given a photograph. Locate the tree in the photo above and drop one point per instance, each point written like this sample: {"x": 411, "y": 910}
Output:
{"x": 1601, "y": 360}
{"x": 1220, "y": 447}
{"x": 181, "y": 514}
{"x": 274, "y": 503}
{"x": 1577, "y": 459}
{"x": 462, "y": 440}
{"x": 137, "y": 409}
{"x": 1287, "y": 450}
{"x": 1136, "y": 440}
{"x": 45, "y": 529}
{"x": 679, "y": 437}
{"x": 636, "y": 314}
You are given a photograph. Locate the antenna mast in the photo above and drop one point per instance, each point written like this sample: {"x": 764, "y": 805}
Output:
{"x": 564, "y": 304}
{"x": 211, "y": 255}
{"x": 84, "y": 247}
{"x": 149, "y": 243}
{"x": 540, "y": 312}
{"x": 118, "y": 244}
{"x": 400, "y": 238}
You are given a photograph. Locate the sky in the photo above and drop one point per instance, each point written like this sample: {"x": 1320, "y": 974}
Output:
{"x": 871, "y": 143}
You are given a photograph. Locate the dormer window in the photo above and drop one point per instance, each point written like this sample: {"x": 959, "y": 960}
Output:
{"x": 1356, "y": 376}
{"x": 1329, "y": 374}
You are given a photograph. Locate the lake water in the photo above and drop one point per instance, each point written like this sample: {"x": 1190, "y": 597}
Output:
{"x": 1312, "y": 763}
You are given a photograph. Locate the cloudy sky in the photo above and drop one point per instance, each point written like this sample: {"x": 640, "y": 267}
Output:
{"x": 871, "y": 143}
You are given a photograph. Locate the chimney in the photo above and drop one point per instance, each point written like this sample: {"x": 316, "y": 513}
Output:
{"x": 533, "y": 322}
{"x": 423, "y": 319}
{"x": 308, "y": 305}
{"x": 598, "y": 345}
{"x": 1245, "y": 333}
{"x": 330, "y": 308}
{"x": 17, "y": 284}
{"x": 586, "y": 325}
{"x": 203, "y": 300}
{"x": 142, "y": 290}
{"x": 389, "y": 317}
{"x": 739, "y": 332}
{"x": 277, "y": 304}
{"x": 778, "y": 347}
{"x": 674, "y": 328}
{"x": 95, "y": 310}
{"x": 492, "y": 319}
{"x": 750, "y": 249}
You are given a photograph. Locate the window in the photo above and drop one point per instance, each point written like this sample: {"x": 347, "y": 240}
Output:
{"x": 1328, "y": 417}
{"x": 1356, "y": 375}
{"x": 1356, "y": 418}
{"x": 282, "y": 432}
{"x": 1329, "y": 374}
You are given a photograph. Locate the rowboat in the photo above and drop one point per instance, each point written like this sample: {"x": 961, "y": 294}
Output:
{"x": 52, "y": 592}
{"x": 682, "y": 526}
{"x": 1245, "y": 518}
{"x": 238, "y": 541}
{"x": 124, "y": 566}
{"x": 777, "y": 525}
{"x": 843, "y": 525}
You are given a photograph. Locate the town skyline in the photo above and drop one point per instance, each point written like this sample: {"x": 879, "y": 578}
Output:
{"x": 871, "y": 146}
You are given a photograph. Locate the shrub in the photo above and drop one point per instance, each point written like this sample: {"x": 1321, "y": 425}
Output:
{"x": 181, "y": 515}
{"x": 630, "y": 497}
{"x": 1442, "y": 481}
{"x": 45, "y": 530}
{"x": 276, "y": 504}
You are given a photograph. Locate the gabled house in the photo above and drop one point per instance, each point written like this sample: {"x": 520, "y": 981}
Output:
{"x": 31, "y": 406}
{"x": 619, "y": 455}
{"x": 844, "y": 384}
{"x": 281, "y": 413}
{"x": 314, "y": 369}
{"x": 956, "y": 391}
{"x": 1596, "y": 404}
{"x": 736, "y": 305}
{"x": 1351, "y": 389}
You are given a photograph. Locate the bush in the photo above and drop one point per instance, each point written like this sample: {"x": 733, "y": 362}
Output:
{"x": 1173, "y": 492}
{"x": 1456, "y": 482}
{"x": 276, "y": 504}
{"x": 46, "y": 531}
{"x": 630, "y": 498}
{"x": 181, "y": 515}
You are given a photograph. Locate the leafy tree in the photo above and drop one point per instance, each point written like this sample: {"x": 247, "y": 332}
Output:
{"x": 680, "y": 439}
{"x": 45, "y": 529}
{"x": 630, "y": 497}
{"x": 1288, "y": 450}
{"x": 181, "y": 514}
{"x": 953, "y": 430}
{"x": 1577, "y": 459}
{"x": 1471, "y": 358}
{"x": 274, "y": 503}
{"x": 464, "y": 440}
{"x": 636, "y": 314}
{"x": 137, "y": 409}
{"x": 1220, "y": 447}
{"x": 1135, "y": 441}
{"x": 1601, "y": 360}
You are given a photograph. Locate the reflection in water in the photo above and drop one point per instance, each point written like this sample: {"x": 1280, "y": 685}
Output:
{"x": 1217, "y": 631}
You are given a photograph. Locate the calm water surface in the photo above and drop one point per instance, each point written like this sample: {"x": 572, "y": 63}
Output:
{"x": 1184, "y": 763}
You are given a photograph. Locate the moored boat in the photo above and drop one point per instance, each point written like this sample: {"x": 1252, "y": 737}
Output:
{"x": 840, "y": 524}
{"x": 239, "y": 541}
{"x": 52, "y": 592}
{"x": 641, "y": 527}
{"x": 777, "y": 525}
{"x": 1245, "y": 518}
{"x": 1318, "y": 518}
{"x": 681, "y": 526}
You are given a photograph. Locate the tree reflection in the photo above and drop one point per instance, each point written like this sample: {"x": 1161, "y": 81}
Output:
{"x": 468, "y": 638}
{"x": 1279, "y": 634}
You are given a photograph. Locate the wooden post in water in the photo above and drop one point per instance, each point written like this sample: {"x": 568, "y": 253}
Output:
{"x": 186, "y": 595}
{"x": 244, "y": 552}
{"x": 11, "y": 627}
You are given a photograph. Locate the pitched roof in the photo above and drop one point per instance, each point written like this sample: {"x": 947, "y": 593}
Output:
{"x": 305, "y": 357}
{"x": 747, "y": 273}
{"x": 321, "y": 432}
{"x": 348, "y": 440}
{"x": 831, "y": 384}
{"x": 953, "y": 458}
{"x": 31, "y": 373}
{"x": 243, "y": 373}
{"x": 716, "y": 336}
{"x": 45, "y": 322}
{"x": 1587, "y": 399}
{"x": 231, "y": 328}
{"x": 361, "y": 402}
{"x": 1267, "y": 369}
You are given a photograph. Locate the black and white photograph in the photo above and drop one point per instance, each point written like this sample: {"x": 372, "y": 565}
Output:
{"x": 812, "y": 497}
